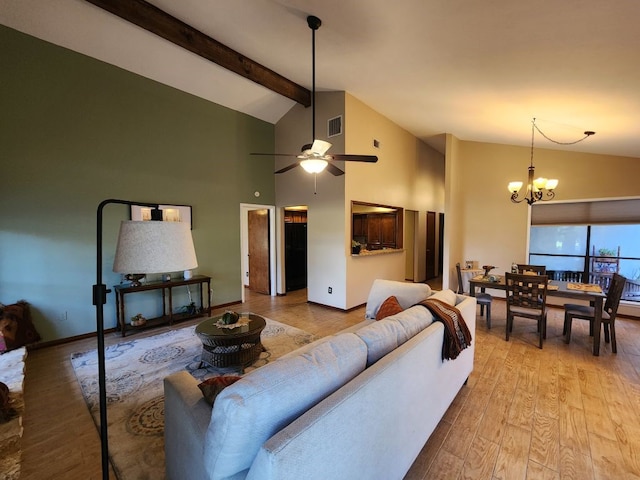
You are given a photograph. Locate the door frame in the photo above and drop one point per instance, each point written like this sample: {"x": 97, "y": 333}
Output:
{"x": 244, "y": 244}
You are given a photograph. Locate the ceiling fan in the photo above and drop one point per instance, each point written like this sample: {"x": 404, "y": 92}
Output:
{"x": 313, "y": 156}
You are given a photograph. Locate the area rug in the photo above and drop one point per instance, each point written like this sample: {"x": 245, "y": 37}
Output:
{"x": 135, "y": 372}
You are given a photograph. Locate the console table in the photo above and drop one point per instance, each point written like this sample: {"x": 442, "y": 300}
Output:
{"x": 168, "y": 317}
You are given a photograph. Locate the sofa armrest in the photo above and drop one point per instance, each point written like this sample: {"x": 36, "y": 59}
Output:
{"x": 186, "y": 419}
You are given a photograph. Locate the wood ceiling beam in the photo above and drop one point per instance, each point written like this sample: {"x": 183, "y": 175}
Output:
{"x": 156, "y": 21}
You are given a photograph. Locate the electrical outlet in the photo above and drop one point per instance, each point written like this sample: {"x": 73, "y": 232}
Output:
{"x": 330, "y": 290}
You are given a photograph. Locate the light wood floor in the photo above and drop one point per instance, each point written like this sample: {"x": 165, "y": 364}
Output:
{"x": 525, "y": 413}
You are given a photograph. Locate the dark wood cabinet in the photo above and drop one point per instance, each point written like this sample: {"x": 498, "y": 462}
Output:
{"x": 381, "y": 231}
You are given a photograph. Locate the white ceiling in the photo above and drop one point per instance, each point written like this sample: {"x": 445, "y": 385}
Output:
{"x": 477, "y": 69}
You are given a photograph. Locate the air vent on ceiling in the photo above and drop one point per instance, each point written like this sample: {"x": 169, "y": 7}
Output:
{"x": 334, "y": 126}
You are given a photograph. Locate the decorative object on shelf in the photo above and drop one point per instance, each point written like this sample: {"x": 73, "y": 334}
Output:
{"x": 166, "y": 277}
{"x": 468, "y": 264}
{"x": 138, "y": 320}
{"x": 187, "y": 275}
{"x": 143, "y": 247}
{"x": 355, "y": 247}
{"x": 134, "y": 278}
{"x": 536, "y": 186}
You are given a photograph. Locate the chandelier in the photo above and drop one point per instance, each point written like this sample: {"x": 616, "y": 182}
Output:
{"x": 538, "y": 189}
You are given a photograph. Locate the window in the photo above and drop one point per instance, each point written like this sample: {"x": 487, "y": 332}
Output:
{"x": 589, "y": 253}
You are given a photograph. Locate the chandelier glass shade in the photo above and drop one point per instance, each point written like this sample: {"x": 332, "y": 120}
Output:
{"x": 538, "y": 189}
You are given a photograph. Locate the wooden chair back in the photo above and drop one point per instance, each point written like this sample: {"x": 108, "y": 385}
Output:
{"x": 614, "y": 294}
{"x": 460, "y": 286}
{"x": 537, "y": 269}
{"x": 526, "y": 291}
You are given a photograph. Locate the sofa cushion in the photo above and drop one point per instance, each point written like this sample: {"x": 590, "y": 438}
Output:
{"x": 446, "y": 296}
{"x": 386, "y": 335}
{"x": 408, "y": 294}
{"x": 389, "y": 307}
{"x": 264, "y": 401}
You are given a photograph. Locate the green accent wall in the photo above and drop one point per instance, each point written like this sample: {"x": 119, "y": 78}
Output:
{"x": 75, "y": 131}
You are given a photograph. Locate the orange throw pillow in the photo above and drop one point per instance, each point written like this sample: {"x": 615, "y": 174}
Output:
{"x": 211, "y": 387}
{"x": 389, "y": 307}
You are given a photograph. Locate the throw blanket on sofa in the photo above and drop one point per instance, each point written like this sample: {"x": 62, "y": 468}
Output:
{"x": 456, "y": 333}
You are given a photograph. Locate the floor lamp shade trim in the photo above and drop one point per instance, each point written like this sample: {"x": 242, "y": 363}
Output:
{"x": 154, "y": 247}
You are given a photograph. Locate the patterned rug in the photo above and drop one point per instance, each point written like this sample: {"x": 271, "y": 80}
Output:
{"x": 135, "y": 372}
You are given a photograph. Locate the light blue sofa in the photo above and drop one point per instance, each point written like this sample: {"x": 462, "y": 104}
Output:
{"x": 358, "y": 404}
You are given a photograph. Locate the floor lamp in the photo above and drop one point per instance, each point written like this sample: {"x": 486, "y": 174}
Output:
{"x": 143, "y": 247}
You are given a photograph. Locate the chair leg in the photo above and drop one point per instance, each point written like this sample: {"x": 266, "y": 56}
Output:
{"x": 605, "y": 326}
{"x": 541, "y": 334}
{"x": 614, "y": 346}
{"x": 489, "y": 316}
{"x": 481, "y": 310}
{"x": 508, "y": 327}
{"x": 568, "y": 320}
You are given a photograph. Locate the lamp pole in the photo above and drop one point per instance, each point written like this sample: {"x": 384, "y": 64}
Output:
{"x": 99, "y": 300}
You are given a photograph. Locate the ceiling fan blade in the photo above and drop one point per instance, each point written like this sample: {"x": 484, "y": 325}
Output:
{"x": 288, "y": 167}
{"x": 355, "y": 158}
{"x": 333, "y": 170}
{"x": 277, "y": 154}
{"x": 320, "y": 147}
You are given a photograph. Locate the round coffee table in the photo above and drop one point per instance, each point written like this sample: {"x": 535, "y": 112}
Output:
{"x": 231, "y": 347}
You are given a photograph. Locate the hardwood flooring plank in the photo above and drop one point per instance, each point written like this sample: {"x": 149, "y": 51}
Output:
{"x": 481, "y": 459}
{"x": 512, "y": 460}
{"x": 535, "y": 471}
{"x": 545, "y": 442}
{"x": 445, "y": 467}
{"x": 574, "y": 465}
{"x": 607, "y": 459}
{"x": 573, "y": 429}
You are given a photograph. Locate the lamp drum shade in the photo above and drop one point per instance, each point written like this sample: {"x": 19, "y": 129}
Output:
{"x": 154, "y": 247}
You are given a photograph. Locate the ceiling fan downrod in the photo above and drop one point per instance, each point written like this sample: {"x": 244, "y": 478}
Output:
{"x": 314, "y": 24}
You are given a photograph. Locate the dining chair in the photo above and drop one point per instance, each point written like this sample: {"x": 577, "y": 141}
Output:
{"x": 537, "y": 269}
{"x": 527, "y": 298}
{"x": 609, "y": 311}
{"x": 483, "y": 299}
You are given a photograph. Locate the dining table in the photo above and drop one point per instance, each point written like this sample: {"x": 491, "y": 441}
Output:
{"x": 555, "y": 288}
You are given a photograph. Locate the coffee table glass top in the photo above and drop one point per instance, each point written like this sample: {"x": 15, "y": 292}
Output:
{"x": 247, "y": 324}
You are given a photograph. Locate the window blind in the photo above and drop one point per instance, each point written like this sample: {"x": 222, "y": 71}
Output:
{"x": 586, "y": 213}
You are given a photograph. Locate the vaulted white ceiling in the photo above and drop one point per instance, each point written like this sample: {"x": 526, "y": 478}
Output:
{"x": 478, "y": 70}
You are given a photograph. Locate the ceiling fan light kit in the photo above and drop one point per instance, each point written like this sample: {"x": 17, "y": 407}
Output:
{"x": 538, "y": 189}
{"x": 314, "y": 157}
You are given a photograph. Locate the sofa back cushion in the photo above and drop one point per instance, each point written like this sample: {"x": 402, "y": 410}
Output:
{"x": 389, "y": 333}
{"x": 447, "y": 296}
{"x": 408, "y": 294}
{"x": 249, "y": 412}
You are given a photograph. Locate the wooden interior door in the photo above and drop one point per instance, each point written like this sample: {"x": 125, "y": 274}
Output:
{"x": 259, "y": 278}
{"x": 431, "y": 245}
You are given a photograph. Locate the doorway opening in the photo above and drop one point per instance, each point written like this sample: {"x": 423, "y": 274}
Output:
{"x": 263, "y": 246}
{"x": 295, "y": 248}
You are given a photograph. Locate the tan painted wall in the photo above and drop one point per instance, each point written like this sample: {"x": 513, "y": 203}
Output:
{"x": 408, "y": 174}
{"x": 483, "y": 224}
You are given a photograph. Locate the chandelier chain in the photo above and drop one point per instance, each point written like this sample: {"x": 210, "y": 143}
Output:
{"x": 587, "y": 134}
